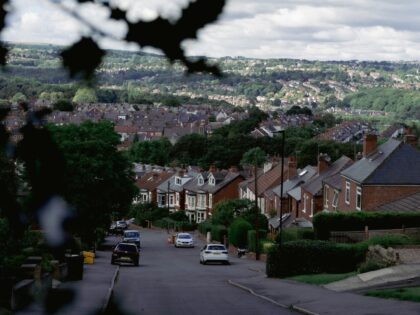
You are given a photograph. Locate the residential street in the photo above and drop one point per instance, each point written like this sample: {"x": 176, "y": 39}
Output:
{"x": 171, "y": 280}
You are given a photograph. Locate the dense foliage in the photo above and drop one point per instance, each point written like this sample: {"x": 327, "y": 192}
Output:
{"x": 238, "y": 232}
{"x": 98, "y": 177}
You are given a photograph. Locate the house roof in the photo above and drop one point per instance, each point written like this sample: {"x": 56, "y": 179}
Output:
{"x": 295, "y": 193}
{"x": 314, "y": 185}
{"x": 302, "y": 176}
{"x": 268, "y": 179}
{"x": 151, "y": 180}
{"x": 407, "y": 204}
{"x": 392, "y": 163}
{"x": 333, "y": 181}
{"x": 163, "y": 187}
{"x": 223, "y": 178}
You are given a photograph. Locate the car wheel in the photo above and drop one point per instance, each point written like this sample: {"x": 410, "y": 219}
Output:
{"x": 204, "y": 262}
{"x": 136, "y": 263}
{"x": 226, "y": 263}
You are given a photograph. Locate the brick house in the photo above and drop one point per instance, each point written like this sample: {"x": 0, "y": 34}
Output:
{"x": 267, "y": 179}
{"x": 148, "y": 184}
{"x": 293, "y": 183}
{"x": 312, "y": 197}
{"x": 175, "y": 186}
{"x": 386, "y": 173}
{"x": 207, "y": 189}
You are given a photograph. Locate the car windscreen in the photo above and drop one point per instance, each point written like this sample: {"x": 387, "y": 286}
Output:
{"x": 131, "y": 234}
{"x": 127, "y": 248}
{"x": 216, "y": 247}
{"x": 184, "y": 236}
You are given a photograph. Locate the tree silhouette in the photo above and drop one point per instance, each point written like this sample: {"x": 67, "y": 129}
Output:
{"x": 85, "y": 56}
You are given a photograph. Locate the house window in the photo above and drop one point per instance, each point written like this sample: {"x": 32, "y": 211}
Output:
{"x": 304, "y": 202}
{"x": 171, "y": 200}
{"x": 326, "y": 191}
{"x": 201, "y": 201}
{"x": 312, "y": 207}
{"x": 161, "y": 200}
{"x": 347, "y": 197}
{"x": 177, "y": 199}
{"x": 200, "y": 181}
{"x": 144, "y": 197}
{"x": 335, "y": 200}
{"x": 210, "y": 201}
{"x": 201, "y": 216}
{"x": 191, "y": 202}
{"x": 358, "y": 198}
{"x": 212, "y": 181}
{"x": 178, "y": 181}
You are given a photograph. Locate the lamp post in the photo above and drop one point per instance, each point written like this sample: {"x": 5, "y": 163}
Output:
{"x": 257, "y": 214}
{"x": 281, "y": 186}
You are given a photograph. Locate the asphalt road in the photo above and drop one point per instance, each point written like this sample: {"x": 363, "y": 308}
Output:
{"x": 171, "y": 281}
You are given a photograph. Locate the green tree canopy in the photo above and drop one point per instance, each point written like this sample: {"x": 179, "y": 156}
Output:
{"x": 85, "y": 95}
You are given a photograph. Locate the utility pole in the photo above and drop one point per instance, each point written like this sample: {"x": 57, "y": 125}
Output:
{"x": 257, "y": 214}
{"x": 281, "y": 187}
{"x": 169, "y": 183}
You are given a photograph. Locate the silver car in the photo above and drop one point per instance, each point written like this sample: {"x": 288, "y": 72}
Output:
{"x": 132, "y": 236}
{"x": 184, "y": 240}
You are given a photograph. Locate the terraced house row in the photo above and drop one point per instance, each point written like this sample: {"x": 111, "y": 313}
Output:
{"x": 384, "y": 177}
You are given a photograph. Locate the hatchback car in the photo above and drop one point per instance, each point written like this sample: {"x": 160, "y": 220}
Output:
{"x": 132, "y": 236}
{"x": 126, "y": 252}
{"x": 214, "y": 252}
{"x": 184, "y": 240}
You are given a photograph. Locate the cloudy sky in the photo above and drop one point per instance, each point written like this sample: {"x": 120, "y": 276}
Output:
{"x": 310, "y": 29}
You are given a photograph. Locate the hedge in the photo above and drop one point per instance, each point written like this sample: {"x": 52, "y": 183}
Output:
{"x": 251, "y": 239}
{"x": 238, "y": 232}
{"x": 204, "y": 227}
{"x": 324, "y": 223}
{"x": 309, "y": 257}
{"x": 295, "y": 233}
{"x": 218, "y": 232}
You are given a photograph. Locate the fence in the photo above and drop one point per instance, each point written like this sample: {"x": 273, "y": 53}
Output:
{"x": 359, "y": 236}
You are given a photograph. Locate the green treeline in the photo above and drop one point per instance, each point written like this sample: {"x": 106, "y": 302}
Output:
{"x": 405, "y": 103}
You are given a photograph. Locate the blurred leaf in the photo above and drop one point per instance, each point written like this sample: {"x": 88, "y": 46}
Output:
{"x": 83, "y": 58}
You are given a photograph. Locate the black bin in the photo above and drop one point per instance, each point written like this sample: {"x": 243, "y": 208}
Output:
{"x": 74, "y": 267}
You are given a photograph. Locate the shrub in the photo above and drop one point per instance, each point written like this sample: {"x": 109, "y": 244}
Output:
{"x": 356, "y": 221}
{"x": 250, "y": 216}
{"x": 178, "y": 216}
{"x": 204, "y": 227}
{"x": 295, "y": 233}
{"x": 238, "y": 232}
{"x": 218, "y": 232}
{"x": 251, "y": 239}
{"x": 308, "y": 256}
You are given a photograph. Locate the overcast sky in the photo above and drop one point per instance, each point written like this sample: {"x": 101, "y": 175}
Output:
{"x": 310, "y": 29}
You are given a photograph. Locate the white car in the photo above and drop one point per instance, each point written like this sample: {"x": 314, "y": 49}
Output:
{"x": 184, "y": 240}
{"x": 214, "y": 252}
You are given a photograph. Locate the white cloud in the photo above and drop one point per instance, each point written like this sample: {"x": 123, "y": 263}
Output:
{"x": 311, "y": 29}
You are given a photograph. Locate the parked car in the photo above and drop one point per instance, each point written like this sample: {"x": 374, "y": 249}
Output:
{"x": 118, "y": 227}
{"x": 214, "y": 252}
{"x": 184, "y": 240}
{"x": 132, "y": 236}
{"x": 126, "y": 252}
{"x": 122, "y": 224}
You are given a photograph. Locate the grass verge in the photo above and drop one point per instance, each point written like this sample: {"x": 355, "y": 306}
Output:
{"x": 322, "y": 278}
{"x": 405, "y": 294}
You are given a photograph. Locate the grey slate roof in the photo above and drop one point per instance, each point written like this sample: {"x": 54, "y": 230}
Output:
{"x": 392, "y": 163}
{"x": 314, "y": 185}
{"x": 406, "y": 204}
{"x": 302, "y": 176}
{"x": 172, "y": 186}
{"x": 333, "y": 181}
{"x": 222, "y": 179}
{"x": 295, "y": 193}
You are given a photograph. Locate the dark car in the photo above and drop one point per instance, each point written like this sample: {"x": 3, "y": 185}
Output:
{"x": 126, "y": 252}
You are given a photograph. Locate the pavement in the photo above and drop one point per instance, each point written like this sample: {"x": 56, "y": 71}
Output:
{"x": 91, "y": 294}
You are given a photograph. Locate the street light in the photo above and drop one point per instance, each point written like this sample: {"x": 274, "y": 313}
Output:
{"x": 281, "y": 185}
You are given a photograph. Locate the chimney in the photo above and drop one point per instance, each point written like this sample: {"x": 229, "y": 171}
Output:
{"x": 233, "y": 169}
{"x": 359, "y": 156}
{"x": 411, "y": 140}
{"x": 181, "y": 173}
{"x": 369, "y": 144}
{"x": 212, "y": 168}
{"x": 323, "y": 160}
{"x": 291, "y": 167}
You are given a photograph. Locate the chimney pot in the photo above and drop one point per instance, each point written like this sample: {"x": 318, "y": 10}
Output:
{"x": 323, "y": 160}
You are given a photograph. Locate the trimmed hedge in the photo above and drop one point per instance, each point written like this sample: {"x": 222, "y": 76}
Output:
{"x": 218, "y": 232}
{"x": 251, "y": 239}
{"x": 324, "y": 223}
{"x": 308, "y": 257}
{"x": 238, "y": 232}
{"x": 204, "y": 227}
